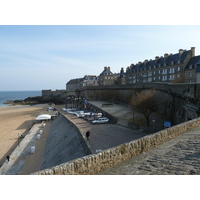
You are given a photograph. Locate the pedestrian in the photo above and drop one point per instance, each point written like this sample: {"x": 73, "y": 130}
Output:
{"x": 87, "y": 135}
{"x": 8, "y": 157}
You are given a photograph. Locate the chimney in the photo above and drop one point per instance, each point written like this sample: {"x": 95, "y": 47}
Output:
{"x": 145, "y": 62}
{"x": 139, "y": 63}
{"x": 156, "y": 58}
{"x": 105, "y": 68}
{"x": 181, "y": 52}
{"x": 193, "y": 51}
{"x": 166, "y": 55}
{"x": 109, "y": 68}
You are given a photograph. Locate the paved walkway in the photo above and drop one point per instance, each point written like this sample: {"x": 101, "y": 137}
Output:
{"x": 22, "y": 161}
{"x": 179, "y": 156}
{"x": 103, "y": 136}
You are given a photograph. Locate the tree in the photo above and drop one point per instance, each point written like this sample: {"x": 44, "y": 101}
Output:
{"x": 146, "y": 102}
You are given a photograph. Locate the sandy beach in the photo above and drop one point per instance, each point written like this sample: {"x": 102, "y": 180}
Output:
{"x": 15, "y": 121}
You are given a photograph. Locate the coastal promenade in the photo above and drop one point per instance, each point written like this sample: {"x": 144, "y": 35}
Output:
{"x": 180, "y": 155}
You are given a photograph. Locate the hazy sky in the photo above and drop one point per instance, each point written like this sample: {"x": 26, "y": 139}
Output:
{"x": 47, "y": 57}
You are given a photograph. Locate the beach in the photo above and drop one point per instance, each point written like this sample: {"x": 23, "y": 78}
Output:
{"x": 15, "y": 121}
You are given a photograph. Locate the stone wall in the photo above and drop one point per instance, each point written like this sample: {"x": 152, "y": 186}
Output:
{"x": 64, "y": 143}
{"x": 95, "y": 163}
{"x": 182, "y": 89}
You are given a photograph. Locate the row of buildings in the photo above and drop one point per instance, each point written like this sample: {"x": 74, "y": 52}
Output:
{"x": 182, "y": 67}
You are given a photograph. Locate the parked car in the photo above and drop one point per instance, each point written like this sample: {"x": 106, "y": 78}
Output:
{"x": 101, "y": 120}
{"x": 49, "y": 108}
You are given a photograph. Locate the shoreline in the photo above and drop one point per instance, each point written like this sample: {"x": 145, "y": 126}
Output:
{"x": 16, "y": 120}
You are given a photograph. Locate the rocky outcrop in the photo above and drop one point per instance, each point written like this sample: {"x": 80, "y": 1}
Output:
{"x": 37, "y": 100}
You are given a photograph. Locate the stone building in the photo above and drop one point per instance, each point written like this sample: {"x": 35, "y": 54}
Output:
{"x": 74, "y": 84}
{"x": 107, "y": 77}
{"x": 167, "y": 68}
{"x": 90, "y": 80}
{"x": 192, "y": 70}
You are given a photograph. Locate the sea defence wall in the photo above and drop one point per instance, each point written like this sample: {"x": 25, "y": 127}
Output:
{"x": 64, "y": 143}
{"x": 95, "y": 163}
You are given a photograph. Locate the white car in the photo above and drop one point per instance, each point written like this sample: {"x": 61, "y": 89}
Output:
{"x": 101, "y": 120}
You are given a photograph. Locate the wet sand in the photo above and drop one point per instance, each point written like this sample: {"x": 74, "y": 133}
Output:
{"x": 15, "y": 121}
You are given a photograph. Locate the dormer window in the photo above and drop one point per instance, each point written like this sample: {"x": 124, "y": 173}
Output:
{"x": 190, "y": 67}
{"x": 179, "y": 61}
{"x": 172, "y": 62}
{"x": 165, "y": 64}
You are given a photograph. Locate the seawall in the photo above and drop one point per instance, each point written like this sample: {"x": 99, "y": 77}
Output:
{"x": 95, "y": 163}
{"x": 64, "y": 143}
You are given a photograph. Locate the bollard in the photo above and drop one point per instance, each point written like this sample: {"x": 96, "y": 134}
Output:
{"x": 33, "y": 149}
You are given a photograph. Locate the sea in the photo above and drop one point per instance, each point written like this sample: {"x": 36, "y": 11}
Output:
{"x": 17, "y": 95}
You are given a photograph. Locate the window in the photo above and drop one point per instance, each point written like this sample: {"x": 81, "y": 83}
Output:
{"x": 171, "y": 77}
{"x": 190, "y": 74}
{"x": 164, "y": 78}
{"x": 164, "y": 71}
{"x": 145, "y": 75}
{"x": 171, "y": 71}
{"x": 149, "y": 73}
{"x": 178, "y": 68}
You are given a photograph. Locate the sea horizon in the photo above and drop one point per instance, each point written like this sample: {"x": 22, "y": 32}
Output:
{"x": 17, "y": 95}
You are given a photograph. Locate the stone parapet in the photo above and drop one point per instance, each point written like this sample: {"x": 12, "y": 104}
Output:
{"x": 95, "y": 163}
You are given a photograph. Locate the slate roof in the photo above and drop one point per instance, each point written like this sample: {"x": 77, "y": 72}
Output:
{"x": 161, "y": 61}
{"x": 106, "y": 71}
{"x": 75, "y": 81}
{"x": 195, "y": 62}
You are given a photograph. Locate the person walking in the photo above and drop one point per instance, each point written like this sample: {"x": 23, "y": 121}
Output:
{"x": 8, "y": 157}
{"x": 87, "y": 135}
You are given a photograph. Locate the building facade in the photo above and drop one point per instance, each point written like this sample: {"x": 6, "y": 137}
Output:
{"x": 74, "y": 84}
{"x": 90, "y": 80}
{"x": 167, "y": 68}
{"x": 182, "y": 67}
{"x": 107, "y": 77}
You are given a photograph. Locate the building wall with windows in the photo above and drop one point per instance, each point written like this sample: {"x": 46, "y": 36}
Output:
{"x": 90, "y": 80}
{"x": 167, "y": 68}
{"x": 107, "y": 77}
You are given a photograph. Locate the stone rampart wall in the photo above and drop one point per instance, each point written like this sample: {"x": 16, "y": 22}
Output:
{"x": 95, "y": 163}
{"x": 182, "y": 89}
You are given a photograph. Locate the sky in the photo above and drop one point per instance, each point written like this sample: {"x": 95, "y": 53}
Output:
{"x": 45, "y": 49}
{"x": 46, "y": 56}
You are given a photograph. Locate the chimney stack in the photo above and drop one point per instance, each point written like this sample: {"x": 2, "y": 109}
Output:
{"x": 181, "y": 52}
{"x": 193, "y": 51}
